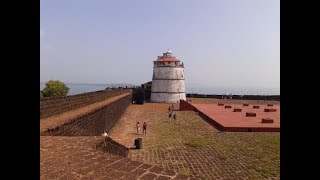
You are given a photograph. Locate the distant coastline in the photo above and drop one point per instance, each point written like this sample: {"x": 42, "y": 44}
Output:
{"x": 78, "y": 88}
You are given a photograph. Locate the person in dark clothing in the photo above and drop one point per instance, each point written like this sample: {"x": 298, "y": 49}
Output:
{"x": 171, "y": 115}
{"x": 174, "y": 116}
{"x": 145, "y": 128}
{"x": 138, "y": 127}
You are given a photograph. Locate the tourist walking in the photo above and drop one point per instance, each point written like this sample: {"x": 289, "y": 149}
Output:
{"x": 138, "y": 127}
{"x": 144, "y": 128}
{"x": 174, "y": 116}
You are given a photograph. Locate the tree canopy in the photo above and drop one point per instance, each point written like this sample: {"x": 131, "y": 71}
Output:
{"x": 55, "y": 88}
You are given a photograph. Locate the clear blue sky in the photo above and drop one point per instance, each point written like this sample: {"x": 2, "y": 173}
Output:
{"x": 221, "y": 42}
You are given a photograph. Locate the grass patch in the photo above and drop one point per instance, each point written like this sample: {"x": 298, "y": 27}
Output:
{"x": 222, "y": 157}
{"x": 201, "y": 176}
{"x": 185, "y": 172}
{"x": 194, "y": 144}
{"x": 176, "y": 162}
{"x": 253, "y": 178}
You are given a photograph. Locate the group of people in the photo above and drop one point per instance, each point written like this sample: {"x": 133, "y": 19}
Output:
{"x": 224, "y": 96}
{"x": 144, "y": 127}
{"x": 172, "y": 115}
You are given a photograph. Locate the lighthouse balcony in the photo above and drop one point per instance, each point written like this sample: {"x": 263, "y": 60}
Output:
{"x": 168, "y": 64}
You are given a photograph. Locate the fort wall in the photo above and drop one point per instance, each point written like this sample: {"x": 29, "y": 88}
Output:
{"x": 55, "y": 105}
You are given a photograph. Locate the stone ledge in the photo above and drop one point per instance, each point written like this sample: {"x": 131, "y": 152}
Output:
{"x": 114, "y": 147}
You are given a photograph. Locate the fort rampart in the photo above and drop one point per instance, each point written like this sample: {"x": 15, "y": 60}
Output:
{"x": 55, "y": 105}
{"x": 91, "y": 120}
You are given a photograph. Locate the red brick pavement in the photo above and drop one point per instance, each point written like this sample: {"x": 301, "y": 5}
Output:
{"x": 237, "y": 121}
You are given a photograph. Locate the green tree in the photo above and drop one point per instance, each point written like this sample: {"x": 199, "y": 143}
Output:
{"x": 55, "y": 88}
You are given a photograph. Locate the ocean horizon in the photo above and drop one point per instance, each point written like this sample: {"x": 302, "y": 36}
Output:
{"x": 83, "y": 88}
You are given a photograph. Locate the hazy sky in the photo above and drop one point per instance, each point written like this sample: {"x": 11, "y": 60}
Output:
{"x": 221, "y": 42}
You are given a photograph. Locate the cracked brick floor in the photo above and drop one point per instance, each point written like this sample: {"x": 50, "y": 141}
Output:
{"x": 192, "y": 147}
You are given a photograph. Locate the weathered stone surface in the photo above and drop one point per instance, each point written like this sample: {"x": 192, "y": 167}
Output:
{"x": 74, "y": 157}
{"x": 93, "y": 123}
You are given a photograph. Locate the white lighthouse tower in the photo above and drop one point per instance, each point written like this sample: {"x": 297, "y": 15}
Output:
{"x": 168, "y": 79}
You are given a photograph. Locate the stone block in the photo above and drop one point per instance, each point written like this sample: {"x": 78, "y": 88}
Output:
{"x": 267, "y": 120}
{"x": 270, "y": 110}
{"x": 250, "y": 114}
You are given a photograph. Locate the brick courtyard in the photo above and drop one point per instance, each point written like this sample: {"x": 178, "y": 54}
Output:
{"x": 191, "y": 146}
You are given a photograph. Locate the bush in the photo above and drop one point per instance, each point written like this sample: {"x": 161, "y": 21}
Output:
{"x": 55, "y": 88}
